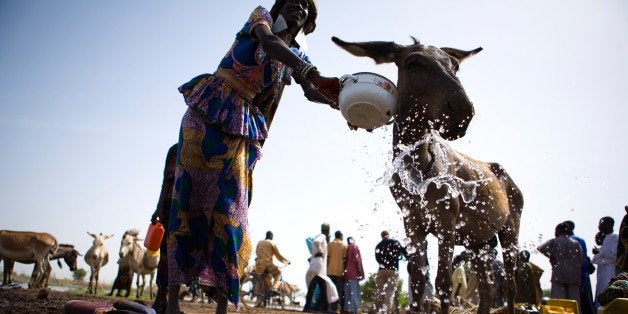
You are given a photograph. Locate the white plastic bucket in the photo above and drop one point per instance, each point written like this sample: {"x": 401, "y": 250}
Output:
{"x": 367, "y": 100}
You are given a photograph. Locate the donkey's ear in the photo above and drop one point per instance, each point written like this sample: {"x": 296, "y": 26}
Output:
{"x": 460, "y": 55}
{"x": 380, "y": 51}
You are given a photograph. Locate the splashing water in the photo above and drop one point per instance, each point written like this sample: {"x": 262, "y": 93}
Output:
{"x": 412, "y": 178}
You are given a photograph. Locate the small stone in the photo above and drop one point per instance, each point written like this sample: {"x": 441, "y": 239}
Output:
{"x": 43, "y": 293}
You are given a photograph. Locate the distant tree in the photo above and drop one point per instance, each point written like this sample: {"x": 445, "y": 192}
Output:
{"x": 403, "y": 295}
{"x": 368, "y": 290}
{"x": 79, "y": 274}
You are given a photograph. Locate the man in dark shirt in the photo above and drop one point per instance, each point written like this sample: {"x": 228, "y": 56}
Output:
{"x": 388, "y": 252}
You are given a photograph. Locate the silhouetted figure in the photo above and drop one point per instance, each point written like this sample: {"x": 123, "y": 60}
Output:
{"x": 566, "y": 257}
{"x": 586, "y": 297}
{"x": 388, "y": 252}
{"x": 605, "y": 255}
{"x": 528, "y": 278}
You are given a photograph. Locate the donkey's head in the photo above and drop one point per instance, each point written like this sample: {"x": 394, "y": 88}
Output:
{"x": 99, "y": 239}
{"x": 127, "y": 245}
{"x": 430, "y": 94}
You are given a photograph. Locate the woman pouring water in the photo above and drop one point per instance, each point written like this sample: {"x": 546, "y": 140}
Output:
{"x": 220, "y": 140}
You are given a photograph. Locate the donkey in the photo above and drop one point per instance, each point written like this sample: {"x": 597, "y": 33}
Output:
{"x": 64, "y": 251}
{"x": 142, "y": 263}
{"x": 461, "y": 201}
{"x": 96, "y": 257}
{"x": 28, "y": 246}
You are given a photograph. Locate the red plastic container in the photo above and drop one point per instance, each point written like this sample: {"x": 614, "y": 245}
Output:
{"x": 154, "y": 236}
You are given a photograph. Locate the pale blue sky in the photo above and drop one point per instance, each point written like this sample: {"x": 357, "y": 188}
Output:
{"x": 89, "y": 106}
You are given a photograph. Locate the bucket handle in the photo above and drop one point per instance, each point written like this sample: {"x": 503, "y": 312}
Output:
{"x": 346, "y": 77}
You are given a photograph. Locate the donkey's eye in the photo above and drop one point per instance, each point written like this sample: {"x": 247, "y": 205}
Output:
{"x": 413, "y": 64}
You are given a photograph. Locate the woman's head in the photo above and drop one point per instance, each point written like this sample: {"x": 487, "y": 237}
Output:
{"x": 297, "y": 13}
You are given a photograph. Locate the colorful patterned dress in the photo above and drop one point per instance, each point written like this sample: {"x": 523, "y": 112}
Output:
{"x": 220, "y": 139}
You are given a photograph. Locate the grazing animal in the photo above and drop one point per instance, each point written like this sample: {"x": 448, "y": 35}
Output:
{"x": 461, "y": 201}
{"x": 64, "y": 251}
{"x": 141, "y": 262}
{"x": 28, "y": 246}
{"x": 287, "y": 290}
{"x": 96, "y": 257}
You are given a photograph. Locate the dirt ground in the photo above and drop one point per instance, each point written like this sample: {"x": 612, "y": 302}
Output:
{"x": 27, "y": 301}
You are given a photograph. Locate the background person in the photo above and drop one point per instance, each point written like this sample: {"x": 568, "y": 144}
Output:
{"x": 566, "y": 258}
{"x": 528, "y": 279}
{"x": 337, "y": 255}
{"x": 605, "y": 256}
{"x": 316, "y": 275}
{"x": 354, "y": 272}
{"x": 586, "y": 298}
{"x": 388, "y": 252}
{"x": 265, "y": 251}
{"x": 162, "y": 215}
{"x": 621, "y": 264}
{"x": 499, "y": 275}
{"x": 458, "y": 278}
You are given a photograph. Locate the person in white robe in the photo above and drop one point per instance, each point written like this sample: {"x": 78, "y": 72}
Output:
{"x": 604, "y": 256}
{"x": 318, "y": 268}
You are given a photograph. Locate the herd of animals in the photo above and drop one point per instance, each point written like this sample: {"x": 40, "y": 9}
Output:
{"x": 40, "y": 248}
{"x": 431, "y": 101}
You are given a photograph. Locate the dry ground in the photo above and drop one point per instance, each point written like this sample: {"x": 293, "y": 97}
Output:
{"x": 26, "y": 301}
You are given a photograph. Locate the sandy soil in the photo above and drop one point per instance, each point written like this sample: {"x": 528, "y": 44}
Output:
{"x": 27, "y": 301}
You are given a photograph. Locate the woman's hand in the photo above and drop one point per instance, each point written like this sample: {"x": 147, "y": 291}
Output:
{"x": 327, "y": 86}
{"x": 313, "y": 94}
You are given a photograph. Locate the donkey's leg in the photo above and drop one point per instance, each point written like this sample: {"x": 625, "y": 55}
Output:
{"x": 418, "y": 270}
{"x": 150, "y": 285}
{"x": 96, "y": 280}
{"x": 41, "y": 270}
{"x": 47, "y": 271}
{"x": 138, "y": 292}
{"x": 36, "y": 275}
{"x": 91, "y": 280}
{"x": 483, "y": 258}
{"x": 446, "y": 243}
{"x": 8, "y": 271}
{"x": 143, "y": 284}
{"x": 509, "y": 234}
{"x": 508, "y": 238}
{"x": 417, "y": 261}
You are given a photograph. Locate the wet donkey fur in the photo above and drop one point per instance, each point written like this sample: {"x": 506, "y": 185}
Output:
{"x": 432, "y": 100}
